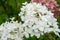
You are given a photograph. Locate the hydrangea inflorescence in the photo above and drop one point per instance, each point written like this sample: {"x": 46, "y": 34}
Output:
{"x": 37, "y": 20}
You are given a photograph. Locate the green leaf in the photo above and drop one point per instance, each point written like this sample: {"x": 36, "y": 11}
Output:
{"x": 58, "y": 1}
{"x": 3, "y": 18}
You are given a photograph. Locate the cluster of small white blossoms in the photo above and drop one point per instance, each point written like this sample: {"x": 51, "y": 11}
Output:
{"x": 11, "y": 31}
{"x": 37, "y": 20}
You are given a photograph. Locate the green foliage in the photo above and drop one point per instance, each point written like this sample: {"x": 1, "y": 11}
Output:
{"x": 58, "y": 1}
{"x": 10, "y": 8}
{"x": 30, "y": 38}
{"x": 58, "y": 20}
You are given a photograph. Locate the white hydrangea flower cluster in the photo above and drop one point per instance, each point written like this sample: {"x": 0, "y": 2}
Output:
{"x": 37, "y": 20}
{"x": 11, "y": 31}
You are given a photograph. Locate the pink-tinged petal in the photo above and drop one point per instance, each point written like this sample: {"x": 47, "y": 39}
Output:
{"x": 56, "y": 12}
{"x": 59, "y": 9}
{"x": 35, "y": 1}
{"x": 42, "y": 1}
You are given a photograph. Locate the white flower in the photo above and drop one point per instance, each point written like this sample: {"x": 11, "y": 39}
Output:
{"x": 11, "y": 30}
{"x": 38, "y": 20}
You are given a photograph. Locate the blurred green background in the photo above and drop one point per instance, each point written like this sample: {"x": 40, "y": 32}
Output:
{"x": 11, "y": 8}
